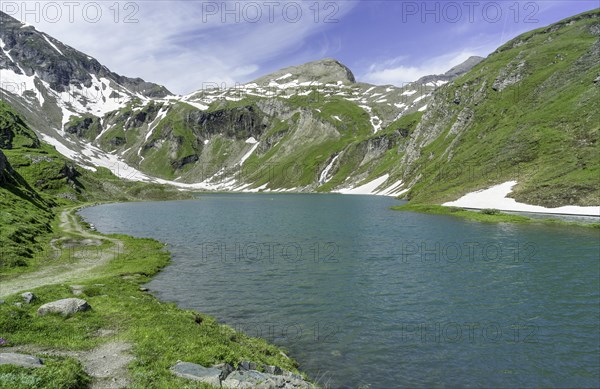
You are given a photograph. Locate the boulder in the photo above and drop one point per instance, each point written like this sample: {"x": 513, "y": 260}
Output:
{"x": 22, "y": 360}
{"x": 192, "y": 371}
{"x": 28, "y": 297}
{"x": 65, "y": 307}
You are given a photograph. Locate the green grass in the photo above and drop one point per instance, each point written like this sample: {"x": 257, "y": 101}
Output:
{"x": 58, "y": 372}
{"x": 38, "y": 184}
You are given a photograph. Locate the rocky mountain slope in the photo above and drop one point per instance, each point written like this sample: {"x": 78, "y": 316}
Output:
{"x": 314, "y": 128}
{"x": 528, "y": 113}
{"x": 293, "y": 129}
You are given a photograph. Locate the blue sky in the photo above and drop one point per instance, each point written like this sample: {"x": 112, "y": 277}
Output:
{"x": 187, "y": 45}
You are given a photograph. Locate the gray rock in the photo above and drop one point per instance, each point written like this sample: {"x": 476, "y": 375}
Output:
{"x": 77, "y": 290}
{"x": 65, "y": 307}
{"x": 28, "y": 297}
{"x": 249, "y": 379}
{"x": 1, "y": 302}
{"x": 22, "y": 360}
{"x": 275, "y": 370}
{"x": 18, "y": 305}
{"x": 195, "y": 372}
{"x": 225, "y": 368}
{"x": 247, "y": 365}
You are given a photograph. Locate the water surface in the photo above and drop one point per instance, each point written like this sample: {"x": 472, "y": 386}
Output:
{"x": 364, "y": 296}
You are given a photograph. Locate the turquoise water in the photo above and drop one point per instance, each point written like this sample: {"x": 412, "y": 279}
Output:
{"x": 364, "y": 296}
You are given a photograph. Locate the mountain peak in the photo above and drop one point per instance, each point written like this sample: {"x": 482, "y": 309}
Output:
{"x": 465, "y": 66}
{"x": 27, "y": 52}
{"x": 451, "y": 74}
{"x": 327, "y": 70}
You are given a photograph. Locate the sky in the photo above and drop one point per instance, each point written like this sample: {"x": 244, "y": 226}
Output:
{"x": 191, "y": 45}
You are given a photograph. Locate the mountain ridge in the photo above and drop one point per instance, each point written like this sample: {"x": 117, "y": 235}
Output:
{"x": 312, "y": 127}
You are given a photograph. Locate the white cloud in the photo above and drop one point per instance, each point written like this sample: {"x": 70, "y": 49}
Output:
{"x": 183, "y": 44}
{"x": 398, "y": 71}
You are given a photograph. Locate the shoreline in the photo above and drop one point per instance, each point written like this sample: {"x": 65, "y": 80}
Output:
{"x": 122, "y": 277}
{"x": 493, "y": 216}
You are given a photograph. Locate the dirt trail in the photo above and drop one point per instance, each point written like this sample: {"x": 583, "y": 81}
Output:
{"x": 78, "y": 270}
{"x": 106, "y": 364}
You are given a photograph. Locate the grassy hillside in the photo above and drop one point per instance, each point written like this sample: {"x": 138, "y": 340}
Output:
{"x": 36, "y": 179}
{"x": 529, "y": 113}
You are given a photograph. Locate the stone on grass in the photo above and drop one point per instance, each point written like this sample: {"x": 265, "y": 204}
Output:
{"x": 77, "y": 290}
{"x": 28, "y": 297}
{"x": 65, "y": 307}
{"x": 195, "y": 372}
{"x": 22, "y": 360}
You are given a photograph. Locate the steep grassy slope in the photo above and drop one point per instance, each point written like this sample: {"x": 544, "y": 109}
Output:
{"x": 529, "y": 113}
{"x": 35, "y": 179}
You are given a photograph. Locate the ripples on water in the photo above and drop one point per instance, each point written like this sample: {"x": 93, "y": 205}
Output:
{"x": 360, "y": 294}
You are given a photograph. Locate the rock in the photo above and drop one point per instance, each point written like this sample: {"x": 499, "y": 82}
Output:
{"x": 143, "y": 289}
{"x": 249, "y": 379}
{"x": 18, "y": 305}
{"x": 77, "y": 290}
{"x": 275, "y": 370}
{"x": 22, "y": 360}
{"x": 246, "y": 365}
{"x": 28, "y": 297}
{"x": 195, "y": 372}
{"x": 65, "y": 307}
{"x": 1, "y": 302}
{"x": 225, "y": 368}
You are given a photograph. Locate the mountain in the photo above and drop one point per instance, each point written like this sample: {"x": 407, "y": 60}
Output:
{"x": 50, "y": 81}
{"x": 451, "y": 74}
{"x": 528, "y": 113}
{"x": 245, "y": 137}
{"x": 525, "y": 113}
{"x": 324, "y": 71}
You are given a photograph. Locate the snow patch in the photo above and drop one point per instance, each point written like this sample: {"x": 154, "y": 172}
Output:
{"x": 248, "y": 154}
{"x": 285, "y": 76}
{"x": 323, "y": 177}
{"x": 52, "y": 44}
{"x": 367, "y": 189}
{"x": 496, "y": 198}
{"x": 200, "y": 106}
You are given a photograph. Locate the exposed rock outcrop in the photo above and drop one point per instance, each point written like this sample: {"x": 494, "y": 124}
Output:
{"x": 64, "y": 307}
